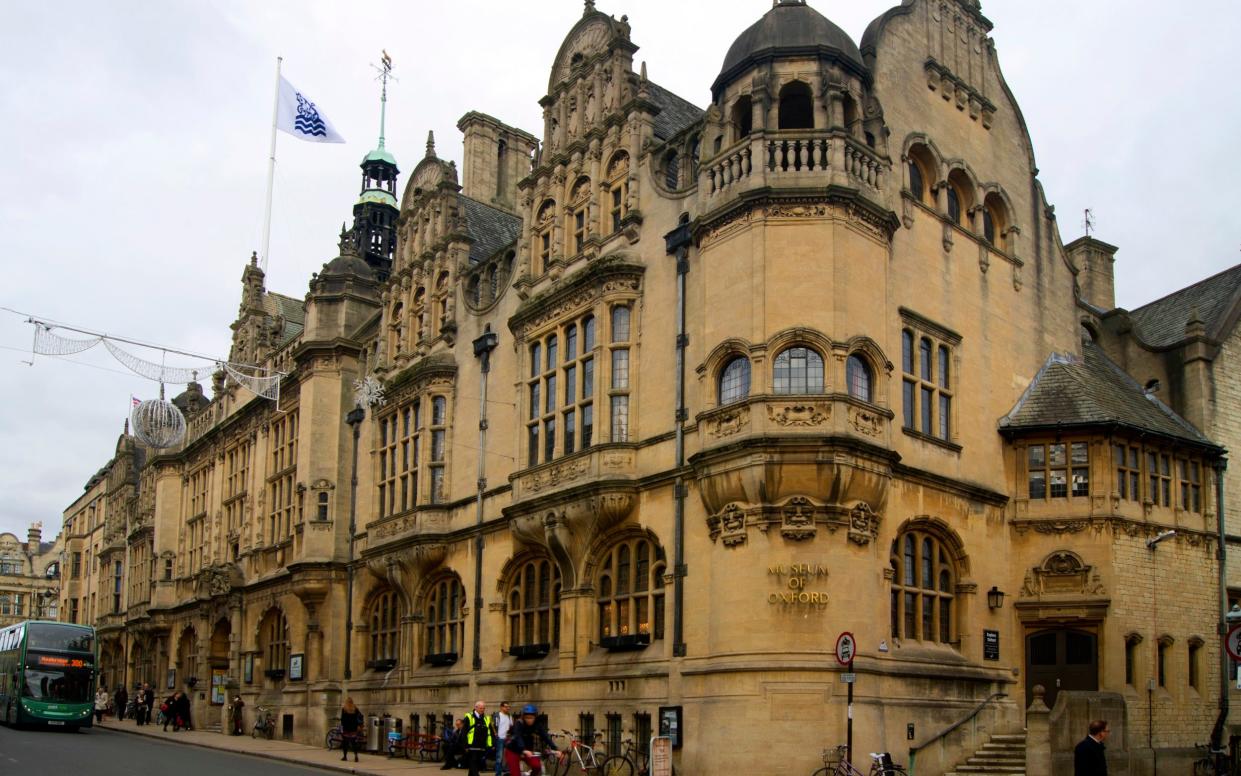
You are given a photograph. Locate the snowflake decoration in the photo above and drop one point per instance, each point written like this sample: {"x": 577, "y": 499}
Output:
{"x": 368, "y": 392}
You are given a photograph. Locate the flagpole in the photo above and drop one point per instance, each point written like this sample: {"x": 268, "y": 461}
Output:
{"x": 271, "y": 167}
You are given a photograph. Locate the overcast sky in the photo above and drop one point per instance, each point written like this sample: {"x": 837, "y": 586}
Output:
{"x": 135, "y": 136}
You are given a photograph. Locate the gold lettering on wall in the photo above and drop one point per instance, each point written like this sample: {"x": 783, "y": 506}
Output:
{"x": 796, "y": 579}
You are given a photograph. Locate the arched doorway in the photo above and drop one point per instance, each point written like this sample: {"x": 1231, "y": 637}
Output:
{"x": 187, "y": 658}
{"x": 1061, "y": 659}
{"x": 218, "y": 660}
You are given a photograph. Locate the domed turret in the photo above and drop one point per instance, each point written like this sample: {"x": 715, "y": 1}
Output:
{"x": 790, "y": 29}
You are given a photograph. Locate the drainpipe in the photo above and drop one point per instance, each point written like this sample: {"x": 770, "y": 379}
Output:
{"x": 354, "y": 419}
{"x": 482, "y": 351}
{"x": 1217, "y": 732}
{"x": 677, "y": 243}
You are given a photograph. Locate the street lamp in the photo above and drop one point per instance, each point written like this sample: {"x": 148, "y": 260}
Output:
{"x": 995, "y": 598}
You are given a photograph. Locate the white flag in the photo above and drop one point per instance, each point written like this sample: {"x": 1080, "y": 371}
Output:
{"x": 301, "y": 118}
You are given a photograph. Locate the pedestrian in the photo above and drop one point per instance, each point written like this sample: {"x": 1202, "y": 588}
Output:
{"x": 501, "y": 722}
{"x": 454, "y": 746}
{"x": 479, "y": 739}
{"x": 181, "y": 713}
{"x": 166, "y": 710}
{"x": 141, "y": 709}
{"x": 120, "y": 699}
{"x": 101, "y": 704}
{"x": 148, "y": 700}
{"x": 1089, "y": 758}
{"x": 351, "y": 729}
{"x": 238, "y": 715}
{"x": 526, "y": 740}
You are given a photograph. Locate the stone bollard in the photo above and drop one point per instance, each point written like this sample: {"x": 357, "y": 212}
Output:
{"x": 1038, "y": 736}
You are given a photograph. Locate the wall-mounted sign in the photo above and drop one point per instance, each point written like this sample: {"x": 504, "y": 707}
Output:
{"x": 670, "y": 724}
{"x": 990, "y": 645}
{"x": 295, "y": 667}
{"x": 797, "y": 584}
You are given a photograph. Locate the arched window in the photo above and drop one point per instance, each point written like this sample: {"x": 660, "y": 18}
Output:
{"x": 187, "y": 655}
{"x": 954, "y": 205}
{"x": 960, "y": 198}
{"x": 396, "y": 330}
{"x": 994, "y": 221}
{"x": 853, "y": 119}
{"x": 916, "y": 185}
{"x": 735, "y": 380}
{"x": 672, "y": 173}
{"x": 618, "y": 189}
{"x": 743, "y": 116}
{"x": 419, "y": 314}
{"x": 543, "y": 224}
{"x": 445, "y": 621}
{"x": 384, "y": 619}
{"x": 858, "y": 378}
{"x": 796, "y": 108}
{"x": 798, "y": 370}
{"x": 534, "y": 605}
{"x": 274, "y": 643}
{"x": 631, "y": 592}
{"x": 580, "y": 202}
{"x": 923, "y": 588}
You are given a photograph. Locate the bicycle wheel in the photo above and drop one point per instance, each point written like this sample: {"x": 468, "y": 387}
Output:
{"x": 617, "y": 765}
{"x": 824, "y": 771}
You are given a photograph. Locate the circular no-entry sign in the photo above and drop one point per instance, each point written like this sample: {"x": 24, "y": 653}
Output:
{"x": 1232, "y": 642}
{"x": 846, "y": 648}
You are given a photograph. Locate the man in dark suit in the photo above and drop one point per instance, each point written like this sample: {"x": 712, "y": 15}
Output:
{"x": 1089, "y": 758}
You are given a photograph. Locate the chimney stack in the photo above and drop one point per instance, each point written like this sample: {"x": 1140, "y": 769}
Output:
{"x": 1095, "y": 279}
{"x": 33, "y": 538}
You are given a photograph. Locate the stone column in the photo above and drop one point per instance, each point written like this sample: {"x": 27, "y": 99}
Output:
{"x": 1038, "y": 736}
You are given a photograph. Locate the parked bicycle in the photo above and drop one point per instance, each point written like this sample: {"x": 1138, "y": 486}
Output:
{"x": 835, "y": 763}
{"x": 264, "y": 723}
{"x": 1212, "y": 762}
{"x": 632, "y": 761}
{"x": 333, "y": 739}
{"x": 580, "y": 758}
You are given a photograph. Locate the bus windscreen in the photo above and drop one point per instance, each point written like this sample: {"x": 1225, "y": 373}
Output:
{"x": 67, "y": 685}
{"x": 59, "y": 638}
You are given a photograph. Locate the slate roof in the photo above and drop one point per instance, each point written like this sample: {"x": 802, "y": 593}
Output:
{"x": 1162, "y": 322}
{"x": 292, "y": 309}
{"x": 675, "y": 114}
{"x": 491, "y": 228}
{"x": 1090, "y": 390}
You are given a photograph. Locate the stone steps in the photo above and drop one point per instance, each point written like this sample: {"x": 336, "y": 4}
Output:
{"x": 1003, "y": 755}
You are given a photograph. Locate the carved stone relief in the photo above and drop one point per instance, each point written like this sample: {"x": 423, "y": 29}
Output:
{"x": 810, "y": 414}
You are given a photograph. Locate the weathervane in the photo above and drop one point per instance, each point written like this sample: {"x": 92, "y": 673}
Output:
{"x": 1088, "y": 220}
{"x": 385, "y": 73}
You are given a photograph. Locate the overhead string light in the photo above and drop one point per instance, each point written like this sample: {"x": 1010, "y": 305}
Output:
{"x": 259, "y": 381}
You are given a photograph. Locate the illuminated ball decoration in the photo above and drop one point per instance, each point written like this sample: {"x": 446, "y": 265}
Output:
{"x": 158, "y": 423}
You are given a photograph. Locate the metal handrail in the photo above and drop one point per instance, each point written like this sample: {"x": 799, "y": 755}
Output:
{"x": 913, "y": 750}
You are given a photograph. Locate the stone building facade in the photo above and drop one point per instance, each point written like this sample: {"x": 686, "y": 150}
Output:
{"x": 642, "y": 411}
{"x": 29, "y": 577}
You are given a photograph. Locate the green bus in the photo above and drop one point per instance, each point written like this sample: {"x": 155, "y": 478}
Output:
{"x": 47, "y": 674}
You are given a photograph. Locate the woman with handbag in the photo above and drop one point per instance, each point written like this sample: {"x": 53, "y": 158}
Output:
{"x": 351, "y": 729}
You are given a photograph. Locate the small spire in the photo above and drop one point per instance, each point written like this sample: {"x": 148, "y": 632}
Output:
{"x": 431, "y": 144}
{"x": 254, "y": 258}
{"x": 126, "y": 427}
{"x": 643, "y": 71}
{"x": 590, "y": 8}
{"x": 385, "y": 72}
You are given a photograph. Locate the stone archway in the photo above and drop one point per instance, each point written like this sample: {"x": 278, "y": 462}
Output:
{"x": 218, "y": 653}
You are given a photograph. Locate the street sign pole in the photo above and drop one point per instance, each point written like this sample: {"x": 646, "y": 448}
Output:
{"x": 849, "y": 725}
{"x": 846, "y": 650}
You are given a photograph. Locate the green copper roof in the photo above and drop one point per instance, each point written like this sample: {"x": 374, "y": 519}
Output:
{"x": 377, "y": 195}
{"x": 380, "y": 155}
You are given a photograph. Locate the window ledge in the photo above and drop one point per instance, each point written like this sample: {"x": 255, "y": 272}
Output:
{"x": 626, "y": 643}
{"x": 954, "y": 447}
{"x": 441, "y": 659}
{"x": 381, "y": 665}
{"x": 530, "y": 651}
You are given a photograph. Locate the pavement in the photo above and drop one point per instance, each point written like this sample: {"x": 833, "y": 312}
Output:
{"x": 284, "y": 751}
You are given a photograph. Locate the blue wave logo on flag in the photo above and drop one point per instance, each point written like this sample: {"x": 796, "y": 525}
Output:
{"x": 298, "y": 115}
{"x": 308, "y": 120}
